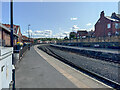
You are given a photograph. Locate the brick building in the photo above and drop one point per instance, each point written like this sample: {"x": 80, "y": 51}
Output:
{"x": 16, "y": 30}
{"x": 107, "y": 25}
{"x": 5, "y": 35}
{"x": 82, "y": 33}
{"x": 25, "y": 39}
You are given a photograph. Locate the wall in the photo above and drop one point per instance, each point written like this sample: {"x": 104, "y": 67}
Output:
{"x": 6, "y": 37}
{"x": 5, "y": 67}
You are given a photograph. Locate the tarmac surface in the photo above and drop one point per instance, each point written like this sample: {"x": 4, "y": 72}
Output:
{"x": 39, "y": 70}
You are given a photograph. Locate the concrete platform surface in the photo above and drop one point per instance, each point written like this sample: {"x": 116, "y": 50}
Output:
{"x": 34, "y": 72}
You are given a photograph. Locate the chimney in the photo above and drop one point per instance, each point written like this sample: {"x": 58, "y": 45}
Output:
{"x": 113, "y": 15}
{"x": 102, "y": 14}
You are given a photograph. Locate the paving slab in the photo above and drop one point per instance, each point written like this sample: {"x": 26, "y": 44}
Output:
{"x": 34, "y": 72}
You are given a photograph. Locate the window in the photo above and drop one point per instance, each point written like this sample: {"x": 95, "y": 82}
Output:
{"x": 109, "y": 25}
{"x": 117, "y": 25}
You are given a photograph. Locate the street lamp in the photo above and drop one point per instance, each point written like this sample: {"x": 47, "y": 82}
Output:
{"x": 11, "y": 42}
{"x": 28, "y": 31}
{"x": 11, "y": 25}
{"x": 28, "y": 37}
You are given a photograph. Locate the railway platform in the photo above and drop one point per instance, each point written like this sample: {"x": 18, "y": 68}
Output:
{"x": 39, "y": 70}
{"x": 103, "y": 50}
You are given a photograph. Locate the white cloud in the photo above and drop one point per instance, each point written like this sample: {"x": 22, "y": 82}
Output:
{"x": 30, "y": 31}
{"x": 75, "y": 28}
{"x": 48, "y": 32}
{"x": 61, "y": 35}
{"x": 39, "y": 33}
{"x": 73, "y": 19}
{"x": 89, "y": 24}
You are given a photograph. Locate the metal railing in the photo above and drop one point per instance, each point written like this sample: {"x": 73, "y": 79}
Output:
{"x": 91, "y": 39}
{"x": 22, "y": 51}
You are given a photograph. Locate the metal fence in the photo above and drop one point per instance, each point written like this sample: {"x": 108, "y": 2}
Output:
{"x": 22, "y": 51}
{"x": 91, "y": 39}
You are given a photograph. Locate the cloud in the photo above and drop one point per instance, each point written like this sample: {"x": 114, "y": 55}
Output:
{"x": 73, "y": 19}
{"x": 30, "y": 31}
{"x": 39, "y": 33}
{"x": 48, "y": 32}
{"x": 75, "y": 28}
{"x": 89, "y": 24}
{"x": 61, "y": 35}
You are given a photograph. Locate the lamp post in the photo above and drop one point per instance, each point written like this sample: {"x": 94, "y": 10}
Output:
{"x": 28, "y": 37}
{"x": 28, "y": 31}
{"x": 11, "y": 42}
{"x": 11, "y": 25}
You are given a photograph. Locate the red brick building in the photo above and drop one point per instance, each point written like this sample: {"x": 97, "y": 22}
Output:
{"x": 16, "y": 30}
{"x": 25, "y": 39}
{"x": 107, "y": 25}
{"x": 82, "y": 33}
{"x": 5, "y": 35}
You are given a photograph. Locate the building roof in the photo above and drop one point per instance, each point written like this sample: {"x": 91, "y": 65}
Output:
{"x": 16, "y": 27}
{"x": 82, "y": 31}
{"x": 7, "y": 29}
{"x": 24, "y": 37}
{"x": 112, "y": 19}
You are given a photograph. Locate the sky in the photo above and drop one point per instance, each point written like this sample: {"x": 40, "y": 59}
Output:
{"x": 56, "y": 19}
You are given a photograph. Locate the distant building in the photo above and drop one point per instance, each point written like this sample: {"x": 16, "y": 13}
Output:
{"x": 25, "y": 39}
{"x": 91, "y": 33}
{"x": 39, "y": 41}
{"x": 107, "y": 25}
{"x": 82, "y": 33}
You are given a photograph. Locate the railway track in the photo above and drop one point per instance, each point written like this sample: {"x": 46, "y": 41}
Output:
{"x": 93, "y": 54}
{"x": 109, "y": 82}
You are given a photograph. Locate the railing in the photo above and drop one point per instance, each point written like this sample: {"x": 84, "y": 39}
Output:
{"x": 22, "y": 51}
{"x": 97, "y": 39}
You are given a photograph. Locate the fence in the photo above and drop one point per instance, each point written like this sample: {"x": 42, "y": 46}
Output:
{"x": 97, "y": 39}
{"x": 22, "y": 51}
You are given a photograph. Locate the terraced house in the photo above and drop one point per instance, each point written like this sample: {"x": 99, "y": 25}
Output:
{"x": 107, "y": 25}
